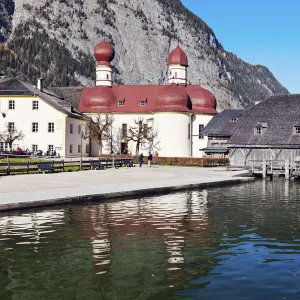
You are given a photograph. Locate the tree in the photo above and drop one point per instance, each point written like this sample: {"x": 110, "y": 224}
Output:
{"x": 11, "y": 134}
{"x": 142, "y": 135}
{"x": 100, "y": 127}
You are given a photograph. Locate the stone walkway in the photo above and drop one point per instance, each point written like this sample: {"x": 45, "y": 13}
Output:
{"x": 25, "y": 191}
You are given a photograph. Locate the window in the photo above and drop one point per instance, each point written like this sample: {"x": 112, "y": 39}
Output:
{"x": 11, "y": 104}
{"x": 87, "y": 148}
{"x": 107, "y": 76}
{"x": 201, "y": 136}
{"x": 257, "y": 130}
{"x": 233, "y": 119}
{"x": 50, "y": 149}
{"x": 11, "y": 126}
{"x": 71, "y": 128}
{"x": 145, "y": 130}
{"x": 120, "y": 103}
{"x": 35, "y": 127}
{"x": 124, "y": 130}
{"x": 79, "y": 149}
{"x": 71, "y": 148}
{"x": 3, "y": 146}
{"x": 34, "y": 148}
{"x": 50, "y": 127}
{"x": 297, "y": 129}
{"x": 189, "y": 131}
{"x": 79, "y": 129}
{"x": 35, "y": 104}
{"x": 215, "y": 144}
{"x": 143, "y": 103}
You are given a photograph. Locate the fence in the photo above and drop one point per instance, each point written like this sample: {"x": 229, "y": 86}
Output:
{"x": 8, "y": 167}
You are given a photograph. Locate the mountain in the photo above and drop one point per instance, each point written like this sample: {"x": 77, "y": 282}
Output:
{"x": 54, "y": 39}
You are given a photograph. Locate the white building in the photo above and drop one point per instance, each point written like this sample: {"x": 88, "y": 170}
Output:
{"x": 47, "y": 122}
{"x": 178, "y": 111}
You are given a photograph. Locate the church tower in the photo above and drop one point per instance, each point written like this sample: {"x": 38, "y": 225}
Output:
{"x": 104, "y": 53}
{"x": 177, "y": 64}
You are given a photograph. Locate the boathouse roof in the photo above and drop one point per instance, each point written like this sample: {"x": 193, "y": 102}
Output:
{"x": 269, "y": 124}
{"x": 224, "y": 123}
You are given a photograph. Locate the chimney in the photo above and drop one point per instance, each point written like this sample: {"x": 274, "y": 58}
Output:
{"x": 40, "y": 84}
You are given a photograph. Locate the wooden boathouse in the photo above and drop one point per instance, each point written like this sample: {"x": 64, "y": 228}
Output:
{"x": 267, "y": 139}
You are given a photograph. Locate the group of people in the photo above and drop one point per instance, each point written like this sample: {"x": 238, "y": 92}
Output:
{"x": 141, "y": 159}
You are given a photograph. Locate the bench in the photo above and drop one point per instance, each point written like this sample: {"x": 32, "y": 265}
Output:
{"x": 45, "y": 167}
{"x": 127, "y": 162}
{"x": 96, "y": 165}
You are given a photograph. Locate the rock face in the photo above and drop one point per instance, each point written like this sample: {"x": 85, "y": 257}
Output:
{"x": 55, "y": 39}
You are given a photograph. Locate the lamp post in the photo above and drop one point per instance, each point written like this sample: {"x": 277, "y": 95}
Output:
{"x": 82, "y": 136}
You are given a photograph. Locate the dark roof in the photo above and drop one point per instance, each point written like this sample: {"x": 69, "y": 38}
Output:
{"x": 16, "y": 87}
{"x": 223, "y": 124}
{"x": 276, "y": 116}
{"x": 69, "y": 94}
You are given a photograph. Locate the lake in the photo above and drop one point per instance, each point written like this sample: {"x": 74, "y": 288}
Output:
{"x": 236, "y": 242}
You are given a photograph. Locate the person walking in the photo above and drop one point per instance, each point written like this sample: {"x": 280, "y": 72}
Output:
{"x": 141, "y": 159}
{"x": 150, "y": 158}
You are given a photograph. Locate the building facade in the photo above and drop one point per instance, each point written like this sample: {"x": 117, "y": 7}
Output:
{"x": 219, "y": 130}
{"x": 270, "y": 130}
{"x": 177, "y": 111}
{"x": 47, "y": 122}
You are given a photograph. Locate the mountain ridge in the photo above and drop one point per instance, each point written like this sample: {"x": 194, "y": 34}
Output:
{"x": 55, "y": 39}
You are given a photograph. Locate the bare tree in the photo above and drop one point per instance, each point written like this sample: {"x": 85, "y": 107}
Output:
{"x": 142, "y": 135}
{"x": 99, "y": 128}
{"x": 11, "y": 134}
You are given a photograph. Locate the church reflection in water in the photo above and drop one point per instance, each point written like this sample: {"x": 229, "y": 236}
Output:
{"x": 160, "y": 236}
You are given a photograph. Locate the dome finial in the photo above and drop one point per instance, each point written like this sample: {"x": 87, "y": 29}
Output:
{"x": 104, "y": 53}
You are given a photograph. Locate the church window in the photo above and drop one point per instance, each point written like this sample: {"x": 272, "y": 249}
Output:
{"x": 189, "y": 131}
{"x": 107, "y": 76}
{"x": 120, "y": 103}
{"x": 124, "y": 130}
{"x": 143, "y": 103}
{"x": 201, "y": 136}
{"x": 11, "y": 104}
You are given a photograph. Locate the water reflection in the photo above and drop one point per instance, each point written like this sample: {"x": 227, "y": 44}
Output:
{"x": 232, "y": 242}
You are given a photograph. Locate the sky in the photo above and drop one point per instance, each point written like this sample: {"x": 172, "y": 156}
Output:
{"x": 261, "y": 32}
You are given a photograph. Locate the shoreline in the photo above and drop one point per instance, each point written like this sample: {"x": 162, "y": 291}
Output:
{"x": 46, "y": 190}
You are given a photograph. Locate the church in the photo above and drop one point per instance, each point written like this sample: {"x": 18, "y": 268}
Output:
{"x": 177, "y": 112}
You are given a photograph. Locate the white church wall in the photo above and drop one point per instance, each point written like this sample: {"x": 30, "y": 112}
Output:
{"x": 174, "y": 134}
{"x": 199, "y": 143}
{"x": 177, "y": 74}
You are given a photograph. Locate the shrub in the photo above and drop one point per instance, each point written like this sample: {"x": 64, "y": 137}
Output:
{"x": 180, "y": 161}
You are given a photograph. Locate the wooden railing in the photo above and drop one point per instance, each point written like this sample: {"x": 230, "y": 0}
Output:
{"x": 8, "y": 167}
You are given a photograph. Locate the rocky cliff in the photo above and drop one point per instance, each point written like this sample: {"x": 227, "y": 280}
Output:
{"x": 55, "y": 39}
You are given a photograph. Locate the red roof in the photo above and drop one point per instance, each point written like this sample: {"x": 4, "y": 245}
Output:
{"x": 155, "y": 97}
{"x": 104, "y": 53}
{"x": 178, "y": 57}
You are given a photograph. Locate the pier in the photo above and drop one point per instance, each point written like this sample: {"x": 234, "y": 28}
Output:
{"x": 289, "y": 169}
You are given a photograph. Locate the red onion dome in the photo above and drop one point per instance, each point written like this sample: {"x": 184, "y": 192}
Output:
{"x": 172, "y": 97}
{"x": 203, "y": 101}
{"x": 96, "y": 99}
{"x": 104, "y": 53}
{"x": 178, "y": 57}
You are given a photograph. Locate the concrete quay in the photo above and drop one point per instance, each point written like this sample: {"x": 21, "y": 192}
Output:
{"x": 37, "y": 190}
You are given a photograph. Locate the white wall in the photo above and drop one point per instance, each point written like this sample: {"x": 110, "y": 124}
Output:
{"x": 179, "y": 73}
{"x": 23, "y": 116}
{"x": 74, "y": 138}
{"x": 173, "y": 131}
{"x": 199, "y": 143}
{"x": 103, "y": 75}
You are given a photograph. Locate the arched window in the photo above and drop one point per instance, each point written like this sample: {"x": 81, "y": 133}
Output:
{"x": 107, "y": 76}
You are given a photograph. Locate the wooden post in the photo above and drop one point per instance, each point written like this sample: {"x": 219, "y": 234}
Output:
{"x": 8, "y": 167}
{"x": 287, "y": 169}
{"x": 264, "y": 169}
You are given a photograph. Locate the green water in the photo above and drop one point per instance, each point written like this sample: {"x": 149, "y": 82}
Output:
{"x": 239, "y": 242}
